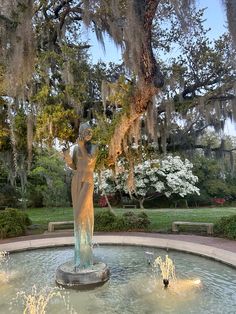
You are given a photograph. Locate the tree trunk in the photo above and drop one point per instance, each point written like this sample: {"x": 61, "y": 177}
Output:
{"x": 140, "y": 102}
{"x": 141, "y": 203}
{"x": 150, "y": 79}
{"x": 108, "y": 203}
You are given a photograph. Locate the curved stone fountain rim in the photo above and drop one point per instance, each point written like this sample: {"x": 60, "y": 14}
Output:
{"x": 221, "y": 255}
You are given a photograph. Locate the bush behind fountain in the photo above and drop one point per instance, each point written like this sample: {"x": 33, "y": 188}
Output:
{"x": 108, "y": 221}
{"x": 226, "y": 227}
{"x": 13, "y": 223}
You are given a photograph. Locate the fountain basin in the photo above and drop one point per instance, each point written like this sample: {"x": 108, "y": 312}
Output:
{"x": 160, "y": 241}
{"x": 134, "y": 287}
{"x": 87, "y": 278}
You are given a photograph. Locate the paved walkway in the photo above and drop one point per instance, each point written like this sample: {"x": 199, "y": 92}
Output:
{"x": 216, "y": 248}
{"x": 224, "y": 244}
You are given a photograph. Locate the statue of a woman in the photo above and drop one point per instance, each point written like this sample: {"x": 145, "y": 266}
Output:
{"x": 83, "y": 163}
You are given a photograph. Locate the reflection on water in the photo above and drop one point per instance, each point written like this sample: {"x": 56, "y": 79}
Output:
{"x": 202, "y": 285}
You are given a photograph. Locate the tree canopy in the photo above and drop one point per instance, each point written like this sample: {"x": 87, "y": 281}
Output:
{"x": 48, "y": 84}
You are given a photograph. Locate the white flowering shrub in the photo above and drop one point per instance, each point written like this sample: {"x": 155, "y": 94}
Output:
{"x": 167, "y": 176}
{"x": 104, "y": 182}
{"x": 177, "y": 176}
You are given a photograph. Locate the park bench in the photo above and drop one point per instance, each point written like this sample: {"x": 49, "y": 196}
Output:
{"x": 208, "y": 225}
{"x": 129, "y": 206}
{"x": 52, "y": 224}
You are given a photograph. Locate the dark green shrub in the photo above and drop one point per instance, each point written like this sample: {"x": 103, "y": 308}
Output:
{"x": 119, "y": 225}
{"x": 8, "y": 196}
{"x": 226, "y": 227}
{"x": 107, "y": 221}
{"x": 104, "y": 220}
{"x": 130, "y": 219}
{"x": 134, "y": 222}
{"x": 143, "y": 221}
{"x": 13, "y": 223}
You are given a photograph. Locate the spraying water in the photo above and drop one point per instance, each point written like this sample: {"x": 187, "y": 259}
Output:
{"x": 167, "y": 268}
{"x": 36, "y": 302}
{"x": 4, "y": 273}
{"x": 4, "y": 256}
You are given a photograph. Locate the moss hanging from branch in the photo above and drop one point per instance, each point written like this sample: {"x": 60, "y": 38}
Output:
{"x": 135, "y": 132}
{"x": 30, "y": 136}
{"x": 230, "y": 6}
{"x": 18, "y": 44}
{"x": 138, "y": 105}
{"x": 151, "y": 122}
{"x": 13, "y": 140}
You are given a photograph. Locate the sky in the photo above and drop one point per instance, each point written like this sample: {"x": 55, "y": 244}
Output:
{"x": 215, "y": 19}
{"x": 215, "y": 16}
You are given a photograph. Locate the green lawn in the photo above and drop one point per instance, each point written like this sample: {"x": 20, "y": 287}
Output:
{"x": 161, "y": 219}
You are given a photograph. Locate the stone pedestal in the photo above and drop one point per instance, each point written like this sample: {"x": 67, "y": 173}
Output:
{"x": 88, "y": 278}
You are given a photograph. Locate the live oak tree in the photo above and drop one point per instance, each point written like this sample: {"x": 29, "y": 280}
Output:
{"x": 44, "y": 61}
{"x": 199, "y": 89}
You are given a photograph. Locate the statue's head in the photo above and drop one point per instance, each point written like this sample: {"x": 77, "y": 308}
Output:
{"x": 85, "y": 132}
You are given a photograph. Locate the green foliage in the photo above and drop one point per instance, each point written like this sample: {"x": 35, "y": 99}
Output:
{"x": 136, "y": 221}
{"x": 211, "y": 178}
{"x": 13, "y": 223}
{"x": 20, "y": 130}
{"x": 218, "y": 188}
{"x": 120, "y": 97}
{"x": 8, "y": 195}
{"x": 54, "y": 122}
{"x": 204, "y": 199}
{"x": 4, "y": 125}
{"x": 122, "y": 91}
{"x": 107, "y": 221}
{"x": 47, "y": 181}
{"x": 8, "y": 192}
{"x": 226, "y": 227}
{"x": 104, "y": 220}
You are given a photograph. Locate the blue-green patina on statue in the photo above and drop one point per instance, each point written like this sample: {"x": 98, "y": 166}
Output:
{"x": 83, "y": 163}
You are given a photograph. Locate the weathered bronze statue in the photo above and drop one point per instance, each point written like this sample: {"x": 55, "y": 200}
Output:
{"x": 83, "y": 162}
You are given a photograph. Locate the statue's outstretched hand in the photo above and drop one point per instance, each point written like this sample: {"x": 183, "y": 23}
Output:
{"x": 80, "y": 139}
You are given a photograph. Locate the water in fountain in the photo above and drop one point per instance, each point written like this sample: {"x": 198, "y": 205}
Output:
{"x": 36, "y": 302}
{"x": 3, "y": 256}
{"x": 133, "y": 286}
{"x": 167, "y": 268}
{"x": 4, "y": 273}
{"x": 149, "y": 256}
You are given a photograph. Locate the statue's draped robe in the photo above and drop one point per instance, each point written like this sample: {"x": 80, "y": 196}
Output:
{"x": 82, "y": 198}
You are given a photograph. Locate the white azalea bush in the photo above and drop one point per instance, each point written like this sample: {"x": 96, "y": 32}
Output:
{"x": 104, "y": 182}
{"x": 167, "y": 176}
{"x": 178, "y": 176}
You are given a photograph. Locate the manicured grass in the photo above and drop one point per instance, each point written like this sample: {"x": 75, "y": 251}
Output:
{"x": 43, "y": 216}
{"x": 161, "y": 219}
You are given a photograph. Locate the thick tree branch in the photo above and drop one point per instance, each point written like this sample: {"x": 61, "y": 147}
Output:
{"x": 201, "y": 84}
{"x": 60, "y": 6}
{"x": 150, "y": 72}
{"x": 150, "y": 79}
{"x": 186, "y": 145}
